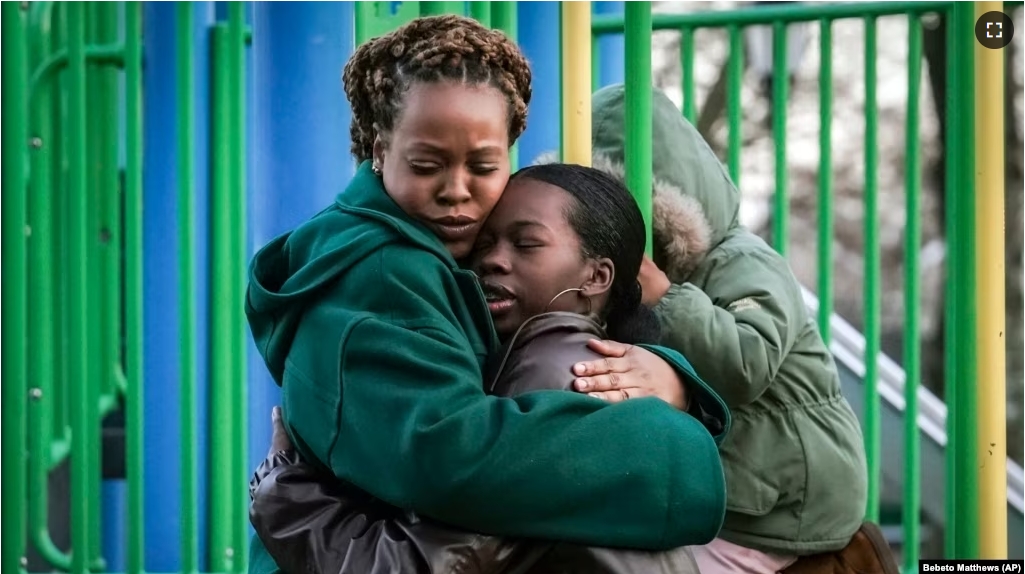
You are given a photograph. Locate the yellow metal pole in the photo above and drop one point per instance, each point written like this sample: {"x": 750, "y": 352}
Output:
{"x": 576, "y": 82}
{"x": 991, "y": 417}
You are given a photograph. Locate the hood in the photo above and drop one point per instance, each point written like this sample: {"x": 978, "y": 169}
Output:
{"x": 295, "y": 269}
{"x": 694, "y": 202}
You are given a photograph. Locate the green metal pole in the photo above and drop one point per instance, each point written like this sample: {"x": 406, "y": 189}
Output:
{"x": 42, "y": 354}
{"x": 186, "y": 283}
{"x": 134, "y": 287}
{"x": 107, "y": 101}
{"x": 481, "y": 12}
{"x": 110, "y": 34}
{"x": 436, "y": 8}
{"x": 61, "y": 447}
{"x": 780, "y": 79}
{"x": 82, "y": 404}
{"x": 504, "y": 18}
{"x": 951, "y": 312}
{"x": 912, "y": 300}
{"x": 872, "y": 273}
{"x": 104, "y": 246}
{"x": 237, "y": 270}
{"x": 734, "y": 109}
{"x": 687, "y": 67}
{"x": 638, "y": 109}
{"x": 222, "y": 477}
{"x": 15, "y": 136}
{"x": 825, "y": 237}
{"x": 964, "y": 406}
{"x": 363, "y": 15}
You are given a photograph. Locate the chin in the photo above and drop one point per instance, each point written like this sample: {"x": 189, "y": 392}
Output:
{"x": 505, "y": 329}
{"x": 460, "y": 250}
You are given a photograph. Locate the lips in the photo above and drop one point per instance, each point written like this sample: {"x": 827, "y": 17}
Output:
{"x": 498, "y": 297}
{"x": 455, "y": 227}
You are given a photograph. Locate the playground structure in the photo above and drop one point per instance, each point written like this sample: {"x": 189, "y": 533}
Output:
{"x": 150, "y": 148}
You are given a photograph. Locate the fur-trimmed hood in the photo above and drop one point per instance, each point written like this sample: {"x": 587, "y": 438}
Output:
{"x": 694, "y": 202}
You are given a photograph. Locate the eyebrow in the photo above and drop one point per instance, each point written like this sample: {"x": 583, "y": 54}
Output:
{"x": 527, "y": 223}
{"x": 425, "y": 146}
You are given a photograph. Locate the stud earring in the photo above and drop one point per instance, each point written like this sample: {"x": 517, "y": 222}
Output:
{"x": 377, "y": 170}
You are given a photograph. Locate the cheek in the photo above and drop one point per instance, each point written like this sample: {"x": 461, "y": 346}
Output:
{"x": 410, "y": 193}
{"x": 545, "y": 277}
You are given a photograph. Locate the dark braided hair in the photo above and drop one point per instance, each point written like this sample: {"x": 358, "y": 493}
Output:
{"x": 606, "y": 218}
{"x": 430, "y": 50}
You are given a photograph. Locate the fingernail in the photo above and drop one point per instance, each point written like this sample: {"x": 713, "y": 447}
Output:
{"x": 581, "y": 384}
{"x": 595, "y": 395}
{"x": 578, "y": 368}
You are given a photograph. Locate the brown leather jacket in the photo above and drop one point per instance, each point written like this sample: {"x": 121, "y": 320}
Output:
{"x": 310, "y": 523}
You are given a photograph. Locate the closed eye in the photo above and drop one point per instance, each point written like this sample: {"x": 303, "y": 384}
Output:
{"x": 424, "y": 168}
{"x": 484, "y": 169}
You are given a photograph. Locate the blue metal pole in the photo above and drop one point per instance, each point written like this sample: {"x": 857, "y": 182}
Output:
{"x": 611, "y": 48}
{"x": 160, "y": 271}
{"x": 299, "y": 142}
{"x": 539, "y": 39}
{"x": 114, "y": 533}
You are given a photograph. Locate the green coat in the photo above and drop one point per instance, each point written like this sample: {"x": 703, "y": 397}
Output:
{"x": 378, "y": 340}
{"x": 794, "y": 458}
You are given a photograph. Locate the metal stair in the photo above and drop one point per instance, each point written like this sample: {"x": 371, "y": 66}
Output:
{"x": 848, "y": 346}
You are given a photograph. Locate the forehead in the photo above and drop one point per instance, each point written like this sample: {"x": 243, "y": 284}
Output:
{"x": 447, "y": 113}
{"x": 527, "y": 199}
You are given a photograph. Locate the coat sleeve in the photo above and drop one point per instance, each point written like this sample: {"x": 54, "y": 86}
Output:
{"x": 706, "y": 406}
{"x": 309, "y": 522}
{"x": 737, "y": 330}
{"x": 413, "y": 427}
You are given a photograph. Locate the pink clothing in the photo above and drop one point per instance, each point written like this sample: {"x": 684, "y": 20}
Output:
{"x": 722, "y": 557}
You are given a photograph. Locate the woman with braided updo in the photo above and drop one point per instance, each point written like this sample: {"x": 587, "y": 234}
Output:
{"x": 378, "y": 337}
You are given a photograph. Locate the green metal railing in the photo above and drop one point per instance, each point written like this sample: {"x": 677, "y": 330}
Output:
{"x": 962, "y": 487}
{"x": 229, "y": 533}
{"x": 14, "y": 293}
{"x": 83, "y": 336}
{"x": 962, "y": 503}
{"x": 73, "y": 328}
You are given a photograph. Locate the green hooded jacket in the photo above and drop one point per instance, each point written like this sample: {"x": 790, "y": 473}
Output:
{"x": 378, "y": 340}
{"x": 794, "y": 458}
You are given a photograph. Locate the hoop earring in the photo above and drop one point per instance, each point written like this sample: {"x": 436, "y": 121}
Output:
{"x": 563, "y": 292}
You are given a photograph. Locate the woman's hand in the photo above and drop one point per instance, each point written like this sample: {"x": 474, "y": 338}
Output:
{"x": 629, "y": 372}
{"x": 279, "y": 440}
{"x": 654, "y": 282}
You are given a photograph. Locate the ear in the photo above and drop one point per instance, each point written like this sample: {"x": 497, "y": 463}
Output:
{"x": 379, "y": 148}
{"x": 599, "y": 280}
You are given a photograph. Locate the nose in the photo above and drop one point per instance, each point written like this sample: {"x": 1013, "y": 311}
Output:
{"x": 493, "y": 260}
{"x": 456, "y": 189}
